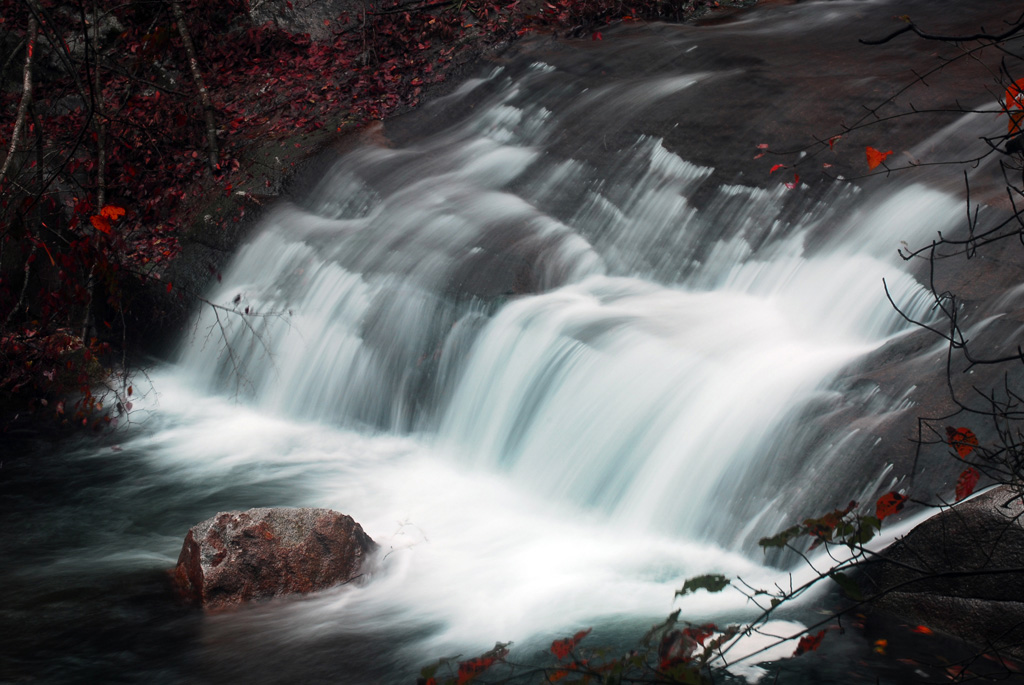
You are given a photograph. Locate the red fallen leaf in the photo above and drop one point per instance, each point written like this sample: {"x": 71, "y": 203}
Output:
{"x": 957, "y": 673}
{"x": 889, "y": 504}
{"x": 809, "y": 643}
{"x": 832, "y": 142}
{"x": 876, "y": 157}
{"x": 795, "y": 182}
{"x": 1005, "y": 663}
{"x": 561, "y": 648}
{"x": 923, "y": 630}
{"x": 776, "y": 168}
{"x": 963, "y": 440}
{"x": 112, "y": 212}
{"x": 596, "y": 35}
{"x": 966, "y": 482}
{"x": 100, "y": 223}
{"x": 169, "y": 286}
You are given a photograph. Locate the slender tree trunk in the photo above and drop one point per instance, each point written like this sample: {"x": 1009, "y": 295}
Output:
{"x": 26, "y": 97}
{"x": 19, "y": 127}
{"x": 93, "y": 38}
{"x": 197, "y": 76}
{"x": 101, "y": 114}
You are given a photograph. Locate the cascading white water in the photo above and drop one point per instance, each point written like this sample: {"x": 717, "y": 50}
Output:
{"x": 604, "y": 342}
{"x": 551, "y": 376}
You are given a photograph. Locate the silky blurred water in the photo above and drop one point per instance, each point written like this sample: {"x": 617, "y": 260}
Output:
{"x": 551, "y": 365}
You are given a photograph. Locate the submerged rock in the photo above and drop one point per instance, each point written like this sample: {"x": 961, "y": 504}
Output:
{"x": 962, "y": 572}
{"x": 238, "y": 556}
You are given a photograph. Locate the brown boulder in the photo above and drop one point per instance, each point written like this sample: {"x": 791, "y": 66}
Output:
{"x": 242, "y": 555}
{"x": 961, "y": 571}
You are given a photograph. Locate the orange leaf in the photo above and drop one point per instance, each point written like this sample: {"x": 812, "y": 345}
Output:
{"x": 1015, "y": 95}
{"x": 809, "y": 643}
{"x": 112, "y": 212}
{"x": 963, "y": 440}
{"x": 924, "y": 630}
{"x": 561, "y": 648}
{"x": 966, "y": 482}
{"x": 889, "y": 504}
{"x": 876, "y": 157}
{"x": 879, "y": 646}
{"x": 468, "y": 670}
{"x": 100, "y": 223}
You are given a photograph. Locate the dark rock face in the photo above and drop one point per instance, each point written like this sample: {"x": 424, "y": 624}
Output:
{"x": 242, "y": 555}
{"x": 962, "y": 572}
{"x": 314, "y": 17}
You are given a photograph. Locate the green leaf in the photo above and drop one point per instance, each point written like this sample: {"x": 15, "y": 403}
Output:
{"x": 430, "y": 671}
{"x": 684, "y": 673}
{"x": 728, "y": 633}
{"x": 849, "y": 586}
{"x": 712, "y": 582}
{"x": 867, "y": 527}
{"x": 782, "y": 539}
{"x": 672, "y": 619}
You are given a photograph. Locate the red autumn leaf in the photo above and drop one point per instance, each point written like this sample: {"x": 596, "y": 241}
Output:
{"x": 1015, "y": 95}
{"x": 596, "y": 35}
{"x": 923, "y": 630}
{"x": 876, "y": 157}
{"x": 474, "y": 667}
{"x": 832, "y": 142}
{"x": 966, "y": 482}
{"x": 963, "y": 440}
{"x": 100, "y": 223}
{"x": 561, "y": 648}
{"x": 889, "y": 504}
{"x": 809, "y": 643}
{"x": 795, "y": 182}
{"x": 169, "y": 286}
{"x": 112, "y": 212}
{"x": 700, "y": 633}
{"x": 776, "y": 168}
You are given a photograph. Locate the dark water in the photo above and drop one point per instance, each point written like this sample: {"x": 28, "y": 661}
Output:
{"x": 561, "y": 345}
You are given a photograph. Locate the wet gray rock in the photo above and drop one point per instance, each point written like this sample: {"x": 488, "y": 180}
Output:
{"x": 238, "y": 556}
{"x": 962, "y": 572}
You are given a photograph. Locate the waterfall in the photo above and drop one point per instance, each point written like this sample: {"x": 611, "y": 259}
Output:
{"x": 632, "y": 337}
{"x": 563, "y": 342}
